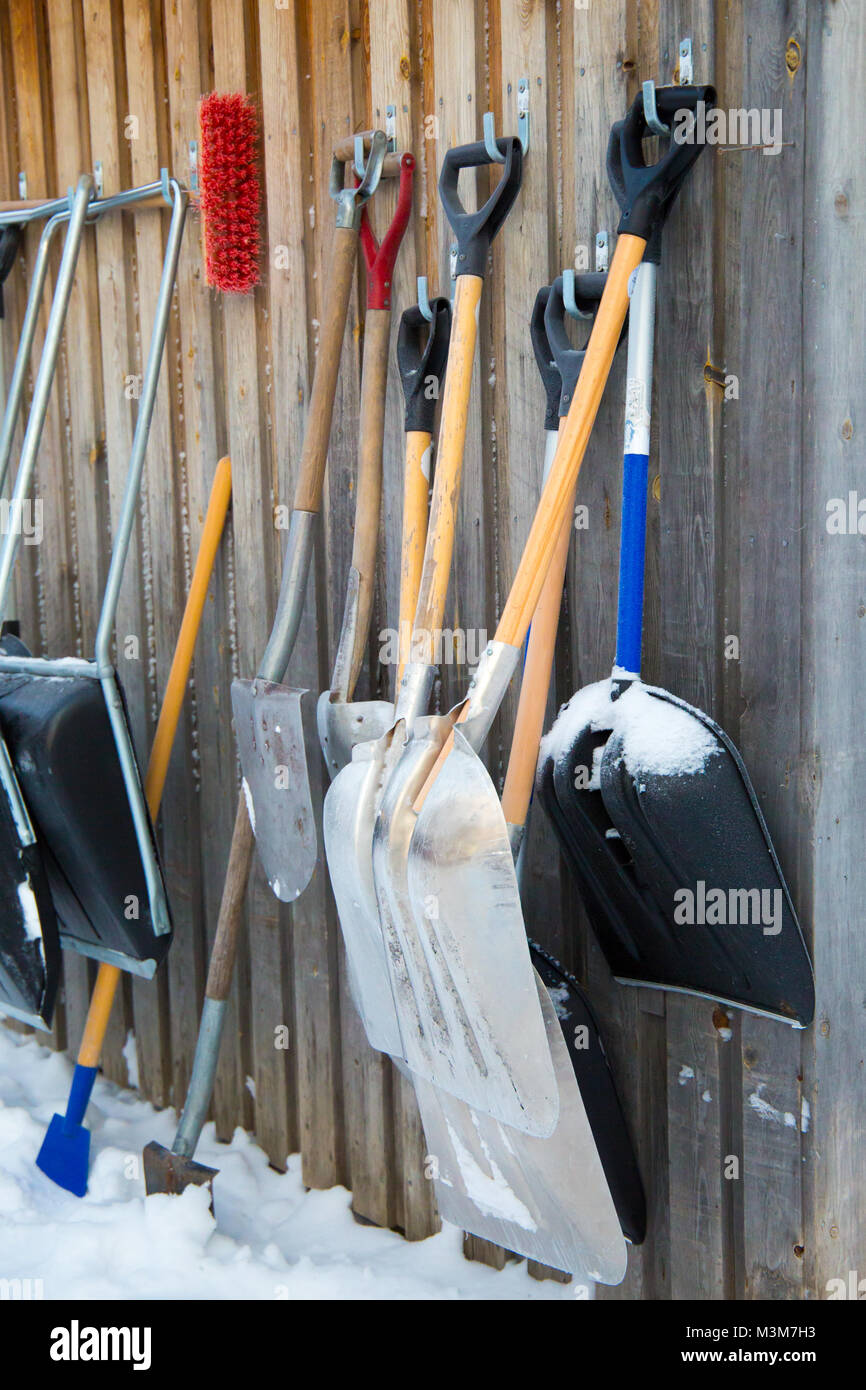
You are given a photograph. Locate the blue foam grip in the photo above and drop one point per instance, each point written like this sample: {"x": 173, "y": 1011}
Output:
{"x": 632, "y": 549}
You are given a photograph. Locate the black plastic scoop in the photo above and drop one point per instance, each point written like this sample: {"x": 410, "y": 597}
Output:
{"x": 651, "y": 801}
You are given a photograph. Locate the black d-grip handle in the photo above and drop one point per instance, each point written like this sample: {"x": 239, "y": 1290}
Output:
{"x": 646, "y": 193}
{"x": 475, "y": 230}
{"x": 588, "y": 290}
{"x": 550, "y": 377}
{"x": 422, "y": 363}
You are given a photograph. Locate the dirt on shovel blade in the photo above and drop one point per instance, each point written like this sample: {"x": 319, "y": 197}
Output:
{"x": 165, "y": 1171}
{"x": 662, "y": 830}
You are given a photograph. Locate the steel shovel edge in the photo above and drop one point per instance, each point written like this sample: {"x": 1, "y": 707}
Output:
{"x": 465, "y": 916}
{"x": 342, "y": 725}
{"x": 169, "y": 1172}
{"x": 347, "y": 823}
{"x": 544, "y": 1198}
{"x": 270, "y": 741}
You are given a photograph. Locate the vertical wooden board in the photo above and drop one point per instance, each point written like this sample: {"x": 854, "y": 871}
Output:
{"x": 458, "y": 106}
{"x": 394, "y": 79}
{"x": 80, "y": 379}
{"x": 832, "y": 776}
{"x": 689, "y": 418}
{"x": 163, "y": 553}
{"x": 201, "y": 442}
{"x": 235, "y": 69}
{"x": 771, "y": 420}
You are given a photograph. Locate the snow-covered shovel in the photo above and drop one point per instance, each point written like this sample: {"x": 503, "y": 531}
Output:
{"x": 651, "y": 801}
{"x": 342, "y": 722}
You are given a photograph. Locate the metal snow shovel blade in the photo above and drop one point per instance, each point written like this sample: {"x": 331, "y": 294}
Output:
{"x": 341, "y": 721}
{"x": 65, "y": 721}
{"x": 549, "y": 1199}
{"x": 355, "y": 798}
{"x": 171, "y": 1170}
{"x": 268, "y": 726}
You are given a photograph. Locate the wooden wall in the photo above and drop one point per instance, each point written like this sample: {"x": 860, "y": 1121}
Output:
{"x": 761, "y": 280}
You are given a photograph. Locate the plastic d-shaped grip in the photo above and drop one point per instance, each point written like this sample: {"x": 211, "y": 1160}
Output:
{"x": 475, "y": 230}
{"x": 646, "y": 193}
{"x": 422, "y": 351}
{"x": 548, "y": 369}
{"x": 588, "y": 290}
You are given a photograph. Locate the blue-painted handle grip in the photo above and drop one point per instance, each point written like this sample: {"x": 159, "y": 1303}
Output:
{"x": 632, "y": 550}
{"x": 79, "y": 1094}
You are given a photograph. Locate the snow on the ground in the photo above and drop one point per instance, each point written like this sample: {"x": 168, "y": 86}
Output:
{"x": 270, "y": 1239}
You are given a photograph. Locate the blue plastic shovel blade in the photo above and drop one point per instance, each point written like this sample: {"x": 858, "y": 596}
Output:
{"x": 65, "y": 1155}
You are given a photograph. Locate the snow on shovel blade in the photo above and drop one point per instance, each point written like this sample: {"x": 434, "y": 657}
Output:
{"x": 684, "y": 828}
{"x": 29, "y": 945}
{"x": 270, "y": 739}
{"x": 468, "y": 1006}
{"x": 547, "y": 1199}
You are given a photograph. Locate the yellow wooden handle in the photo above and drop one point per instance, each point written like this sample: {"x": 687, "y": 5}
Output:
{"x": 449, "y": 457}
{"x": 108, "y": 976}
{"x": 416, "y": 484}
{"x": 574, "y": 437}
{"x": 517, "y": 791}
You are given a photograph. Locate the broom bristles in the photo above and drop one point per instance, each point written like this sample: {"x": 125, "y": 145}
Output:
{"x": 230, "y": 196}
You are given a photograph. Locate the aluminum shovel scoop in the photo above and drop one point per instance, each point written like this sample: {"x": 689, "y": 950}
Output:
{"x": 445, "y": 881}
{"x": 268, "y": 725}
{"x": 361, "y": 795}
{"x": 341, "y": 721}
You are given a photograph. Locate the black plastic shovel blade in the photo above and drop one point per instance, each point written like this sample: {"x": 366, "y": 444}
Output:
{"x": 598, "y": 1092}
{"x": 29, "y": 946}
{"x": 673, "y": 856}
{"x": 66, "y": 761}
{"x": 166, "y": 1171}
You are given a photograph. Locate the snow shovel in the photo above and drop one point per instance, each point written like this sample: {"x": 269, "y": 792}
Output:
{"x": 341, "y": 722}
{"x": 65, "y": 722}
{"x": 267, "y": 715}
{"x": 445, "y": 838}
{"x": 653, "y": 805}
{"x": 422, "y": 349}
{"x": 359, "y": 799}
{"x": 268, "y": 726}
{"x": 29, "y": 944}
{"x": 65, "y": 1153}
{"x": 554, "y": 1200}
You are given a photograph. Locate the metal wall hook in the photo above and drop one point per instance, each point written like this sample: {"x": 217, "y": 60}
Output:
{"x": 488, "y": 122}
{"x": 568, "y": 296}
{"x": 350, "y": 201}
{"x": 651, "y": 115}
{"x": 424, "y": 299}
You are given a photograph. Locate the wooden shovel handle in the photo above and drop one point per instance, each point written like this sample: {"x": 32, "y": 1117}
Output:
{"x": 535, "y": 684}
{"x": 574, "y": 437}
{"x": 368, "y": 504}
{"x": 222, "y": 956}
{"x": 416, "y": 486}
{"x": 308, "y": 492}
{"x": 449, "y": 457}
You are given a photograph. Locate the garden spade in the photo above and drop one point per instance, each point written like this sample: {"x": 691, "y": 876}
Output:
{"x": 341, "y": 721}
{"x": 443, "y": 864}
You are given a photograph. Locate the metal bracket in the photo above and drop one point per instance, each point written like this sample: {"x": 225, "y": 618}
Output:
{"x": 99, "y": 179}
{"x": 350, "y": 201}
{"x": 391, "y": 126}
{"x": 489, "y": 125}
{"x": 686, "y": 67}
{"x": 602, "y": 250}
{"x": 22, "y": 185}
{"x": 424, "y": 299}
{"x": 165, "y": 187}
{"x": 523, "y": 113}
{"x": 193, "y": 165}
{"x": 452, "y": 261}
{"x": 649, "y": 109}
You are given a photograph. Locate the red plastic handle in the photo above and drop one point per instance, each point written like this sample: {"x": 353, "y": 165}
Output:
{"x": 380, "y": 256}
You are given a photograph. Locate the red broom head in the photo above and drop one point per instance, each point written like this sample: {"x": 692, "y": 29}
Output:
{"x": 229, "y": 179}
